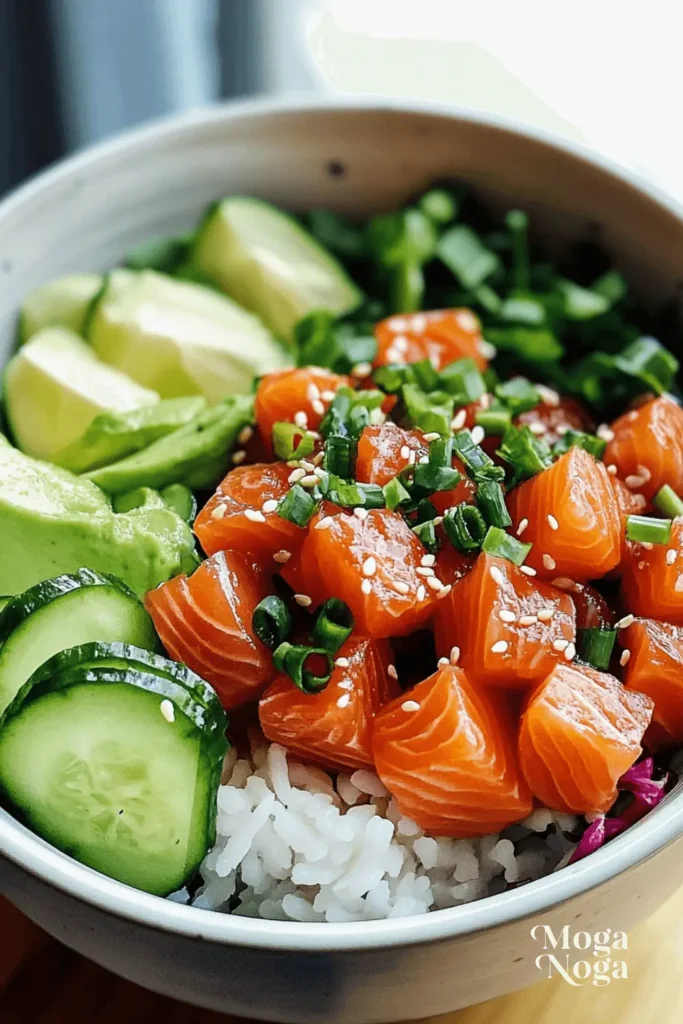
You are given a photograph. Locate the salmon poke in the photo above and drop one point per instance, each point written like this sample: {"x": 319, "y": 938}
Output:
{"x": 342, "y": 560}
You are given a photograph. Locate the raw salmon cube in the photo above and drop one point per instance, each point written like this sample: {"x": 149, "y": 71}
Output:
{"x": 652, "y": 578}
{"x": 442, "y": 336}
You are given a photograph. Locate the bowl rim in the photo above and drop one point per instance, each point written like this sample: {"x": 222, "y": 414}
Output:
{"x": 47, "y": 864}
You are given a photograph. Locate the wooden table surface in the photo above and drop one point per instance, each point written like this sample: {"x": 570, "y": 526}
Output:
{"x": 42, "y": 982}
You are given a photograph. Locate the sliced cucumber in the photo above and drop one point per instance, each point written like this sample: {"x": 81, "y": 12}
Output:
{"x": 181, "y": 499}
{"x": 63, "y": 302}
{"x": 270, "y": 264}
{"x": 64, "y": 612}
{"x": 119, "y": 769}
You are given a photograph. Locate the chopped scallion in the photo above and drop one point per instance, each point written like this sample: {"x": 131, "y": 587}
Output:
{"x": 395, "y": 494}
{"x": 340, "y": 456}
{"x": 465, "y": 528}
{"x": 297, "y": 506}
{"x": 272, "y": 621}
{"x": 463, "y": 380}
{"x": 431, "y": 412}
{"x": 517, "y": 223}
{"x": 491, "y": 502}
{"x": 518, "y": 395}
{"x": 647, "y": 530}
{"x": 500, "y": 544}
{"x": 495, "y": 420}
{"x": 440, "y": 205}
{"x": 425, "y": 375}
{"x": 303, "y": 665}
{"x": 668, "y": 502}
{"x": 577, "y": 439}
{"x": 595, "y": 646}
{"x": 466, "y": 256}
{"x": 478, "y": 464}
{"x": 333, "y": 625}
{"x": 525, "y": 453}
{"x": 648, "y": 361}
{"x": 430, "y": 478}
{"x": 426, "y": 534}
{"x": 291, "y": 442}
{"x": 392, "y": 378}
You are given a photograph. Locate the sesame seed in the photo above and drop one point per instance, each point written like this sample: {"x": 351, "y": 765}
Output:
{"x": 312, "y": 392}
{"x": 344, "y": 700}
{"x": 562, "y": 429}
{"x": 486, "y": 400}
{"x": 424, "y": 570}
{"x": 644, "y": 472}
{"x": 434, "y": 584}
{"x": 310, "y": 480}
{"x": 633, "y": 415}
{"x": 296, "y": 475}
{"x": 546, "y": 614}
{"x": 304, "y": 600}
{"x": 633, "y": 481}
{"x": 345, "y": 684}
{"x": 522, "y": 527}
{"x": 670, "y": 555}
{"x": 360, "y": 513}
{"x": 405, "y": 451}
{"x": 314, "y": 434}
{"x": 401, "y": 344}
{"x": 569, "y": 652}
{"x": 432, "y": 436}
{"x": 624, "y": 623}
{"x": 319, "y": 473}
{"x": 549, "y": 562}
{"x": 496, "y": 574}
{"x": 342, "y": 662}
{"x": 423, "y": 460}
{"x": 412, "y": 458}
{"x": 317, "y": 459}
{"x": 401, "y": 588}
{"x": 324, "y": 524}
{"x": 167, "y": 710}
{"x": 361, "y": 370}
{"x": 369, "y": 566}
{"x": 254, "y": 516}
{"x": 454, "y": 656}
{"x": 500, "y": 647}
{"x": 605, "y": 433}
{"x": 467, "y": 320}
{"x": 394, "y": 356}
{"x": 245, "y": 434}
{"x": 563, "y": 582}
{"x": 538, "y": 428}
{"x": 612, "y": 469}
{"x": 397, "y": 324}
{"x": 678, "y": 585}
{"x": 428, "y": 560}
{"x": 641, "y": 564}
{"x": 647, "y": 545}
{"x": 366, "y": 587}
{"x": 527, "y": 570}
{"x": 410, "y": 705}
{"x": 549, "y": 395}
{"x": 270, "y": 505}
{"x": 305, "y": 464}
{"x": 625, "y": 657}
{"x": 418, "y": 323}
{"x": 421, "y": 593}
{"x": 528, "y": 620}
{"x": 478, "y": 435}
{"x": 505, "y": 615}
{"x": 552, "y": 522}
{"x": 458, "y": 421}
{"x": 442, "y": 662}
{"x": 301, "y": 419}
{"x": 318, "y": 407}
{"x": 486, "y": 349}
{"x": 391, "y": 671}
{"x": 560, "y": 645}
{"x": 219, "y": 512}
{"x": 327, "y": 396}
{"x": 445, "y": 591}
{"x": 238, "y": 457}
{"x": 282, "y": 556}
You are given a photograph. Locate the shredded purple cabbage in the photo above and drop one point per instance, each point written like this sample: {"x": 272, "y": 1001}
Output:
{"x": 646, "y": 793}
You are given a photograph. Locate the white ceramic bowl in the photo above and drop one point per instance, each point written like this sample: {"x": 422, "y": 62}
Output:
{"x": 357, "y": 157}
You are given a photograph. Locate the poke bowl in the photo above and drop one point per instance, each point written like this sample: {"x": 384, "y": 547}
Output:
{"x": 357, "y": 422}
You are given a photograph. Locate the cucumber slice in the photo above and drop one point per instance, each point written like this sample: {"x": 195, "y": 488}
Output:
{"x": 64, "y": 612}
{"x": 270, "y": 264}
{"x": 63, "y": 302}
{"x": 108, "y": 772}
{"x": 181, "y": 500}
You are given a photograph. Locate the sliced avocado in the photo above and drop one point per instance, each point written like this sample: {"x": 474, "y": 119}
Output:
{"x": 141, "y": 497}
{"x": 181, "y": 499}
{"x": 55, "y": 386}
{"x": 180, "y": 338}
{"x": 112, "y": 436}
{"x": 52, "y": 522}
{"x": 270, "y": 264}
{"x": 63, "y": 302}
{"x": 197, "y": 454}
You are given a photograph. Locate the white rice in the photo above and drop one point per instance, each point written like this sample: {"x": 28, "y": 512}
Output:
{"x": 294, "y": 843}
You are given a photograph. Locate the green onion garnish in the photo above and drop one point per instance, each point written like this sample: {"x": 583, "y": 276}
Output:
{"x": 466, "y": 256}
{"x": 526, "y": 453}
{"x": 463, "y": 380}
{"x": 425, "y": 375}
{"x": 500, "y": 544}
{"x": 349, "y": 494}
{"x": 292, "y": 659}
{"x": 578, "y": 439}
{"x": 495, "y": 420}
{"x": 430, "y": 478}
{"x": 374, "y": 495}
{"x": 491, "y": 502}
{"x": 392, "y": 378}
{"x": 517, "y": 223}
{"x": 648, "y": 361}
{"x": 465, "y": 528}
{"x": 668, "y": 502}
{"x": 297, "y": 506}
{"x": 333, "y": 625}
{"x": 291, "y": 442}
{"x": 439, "y": 205}
{"x": 425, "y": 511}
{"x": 478, "y": 464}
{"x": 426, "y": 534}
{"x": 595, "y": 646}
{"x": 533, "y": 344}
{"x": 646, "y": 530}
{"x": 340, "y": 456}
{"x": 431, "y": 412}
{"x": 395, "y": 494}
{"x": 517, "y": 395}
{"x": 272, "y": 621}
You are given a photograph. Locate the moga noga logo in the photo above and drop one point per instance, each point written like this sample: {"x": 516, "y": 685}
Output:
{"x": 561, "y": 956}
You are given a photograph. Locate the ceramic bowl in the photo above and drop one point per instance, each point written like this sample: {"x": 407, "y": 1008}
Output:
{"x": 361, "y": 158}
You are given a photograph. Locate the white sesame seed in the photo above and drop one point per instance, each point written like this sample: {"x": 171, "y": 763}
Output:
{"x": 445, "y": 591}
{"x": 418, "y": 323}
{"x": 605, "y": 433}
{"x": 486, "y": 349}
{"x": 327, "y": 395}
{"x": 310, "y": 480}
{"x": 254, "y": 515}
{"x": 431, "y": 436}
{"x": 397, "y": 324}
{"x": 549, "y": 395}
{"x": 342, "y": 662}
{"x": 505, "y": 615}
{"x": 424, "y": 570}
{"x": 361, "y": 370}
{"x": 633, "y": 481}
{"x": 454, "y": 656}
{"x": 405, "y": 451}
{"x": 500, "y": 647}
{"x": 296, "y": 475}
{"x": 219, "y": 512}
{"x": 270, "y": 505}
{"x": 624, "y": 623}
{"x": 442, "y": 662}
{"x": 245, "y": 434}
{"x": 467, "y": 320}
{"x": 401, "y": 588}
{"x": 552, "y": 522}
{"x": 633, "y": 415}
{"x": 678, "y": 585}
{"x": 305, "y": 464}
{"x": 344, "y": 700}
{"x": 522, "y": 527}
{"x": 563, "y": 582}
{"x": 401, "y": 344}
{"x": 314, "y": 434}
{"x": 238, "y": 457}
{"x": 394, "y": 356}
{"x": 647, "y": 545}
{"x": 478, "y": 434}
{"x": 366, "y": 587}
{"x": 434, "y": 584}
{"x": 570, "y": 652}
{"x": 345, "y": 684}
{"x": 549, "y": 562}
{"x": 560, "y": 645}
{"x": 670, "y": 556}
{"x": 496, "y": 575}
{"x": 528, "y": 620}
{"x": 319, "y": 473}
{"x": 527, "y": 570}
{"x": 562, "y": 429}
{"x": 423, "y": 460}
{"x": 612, "y": 469}
{"x": 324, "y": 524}
{"x": 428, "y": 560}
{"x": 412, "y": 458}
{"x": 369, "y": 566}
{"x": 625, "y": 657}
{"x": 282, "y": 556}
{"x": 312, "y": 391}
{"x": 317, "y": 459}
{"x": 538, "y": 428}
{"x": 644, "y": 472}
{"x": 641, "y": 564}
{"x": 458, "y": 421}
{"x": 546, "y": 614}
{"x": 301, "y": 419}
{"x": 167, "y": 710}
{"x": 421, "y": 593}
{"x": 318, "y": 407}
{"x": 410, "y": 705}
{"x": 391, "y": 671}
{"x": 304, "y": 600}
{"x": 360, "y": 513}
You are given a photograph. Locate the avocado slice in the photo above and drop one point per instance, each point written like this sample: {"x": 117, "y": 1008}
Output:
{"x": 113, "y": 436}
{"x": 270, "y": 264}
{"x": 55, "y": 386}
{"x": 52, "y": 522}
{"x": 197, "y": 455}
{"x": 140, "y": 497}
{"x": 63, "y": 302}
{"x": 180, "y": 338}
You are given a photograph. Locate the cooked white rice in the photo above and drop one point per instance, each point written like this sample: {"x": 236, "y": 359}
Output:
{"x": 294, "y": 843}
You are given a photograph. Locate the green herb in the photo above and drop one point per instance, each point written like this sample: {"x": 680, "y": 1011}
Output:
{"x": 465, "y": 528}
{"x": 340, "y": 456}
{"x": 477, "y": 463}
{"x": 440, "y": 205}
{"x": 491, "y": 502}
{"x": 407, "y": 288}
{"x": 297, "y": 506}
{"x": 322, "y": 341}
{"x": 272, "y": 621}
{"x": 337, "y": 234}
{"x": 577, "y": 439}
{"x": 431, "y": 412}
{"x": 463, "y": 380}
{"x": 425, "y": 511}
{"x": 392, "y": 378}
{"x": 595, "y": 646}
{"x": 668, "y": 502}
{"x": 535, "y": 345}
{"x": 522, "y": 309}
{"x": 292, "y": 659}
{"x": 431, "y": 478}
{"x": 649, "y": 362}
{"x": 466, "y": 256}
{"x": 518, "y": 395}
{"x": 405, "y": 237}
{"x": 291, "y": 442}
{"x": 395, "y": 494}
{"x": 426, "y": 534}
{"x": 333, "y": 625}
{"x": 581, "y": 303}
{"x": 425, "y": 376}
{"x": 646, "y": 530}
{"x": 517, "y": 223}
{"x": 495, "y": 420}
{"x": 349, "y": 494}
{"x": 525, "y": 453}
{"x": 501, "y": 545}
{"x": 611, "y": 286}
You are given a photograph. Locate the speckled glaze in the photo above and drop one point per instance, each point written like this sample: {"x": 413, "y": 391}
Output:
{"x": 358, "y": 157}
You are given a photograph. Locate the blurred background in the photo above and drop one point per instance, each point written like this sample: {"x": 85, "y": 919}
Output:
{"x": 603, "y": 71}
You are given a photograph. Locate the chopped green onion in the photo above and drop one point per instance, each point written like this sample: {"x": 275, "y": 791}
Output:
{"x": 466, "y": 256}
{"x": 357, "y": 349}
{"x": 668, "y": 502}
{"x": 291, "y": 442}
{"x": 525, "y": 310}
{"x": 426, "y": 534}
{"x": 495, "y": 420}
{"x": 648, "y": 361}
{"x": 349, "y": 494}
{"x": 431, "y": 412}
{"x": 432, "y": 478}
{"x": 581, "y": 303}
{"x": 404, "y": 237}
{"x": 395, "y": 494}
{"x": 518, "y": 395}
{"x": 333, "y": 625}
{"x": 487, "y": 299}
{"x": 337, "y": 233}
{"x": 526, "y": 453}
{"x": 595, "y": 646}
{"x": 463, "y": 380}
{"x": 292, "y": 659}
{"x": 322, "y": 341}
{"x": 611, "y": 286}
{"x": 517, "y": 223}
{"x": 440, "y": 205}
{"x": 491, "y": 502}
{"x": 500, "y": 544}
{"x": 465, "y": 528}
{"x": 478, "y": 464}
{"x": 392, "y": 378}
{"x": 577, "y": 439}
{"x": 407, "y": 288}
{"x": 646, "y": 530}
{"x": 340, "y": 456}
{"x": 425, "y": 511}
{"x": 297, "y": 506}
{"x": 425, "y": 375}
{"x": 441, "y": 452}
{"x": 334, "y": 420}
{"x": 374, "y": 495}
{"x": 359, "y": 418}
{"x": 535, "y": 344}
{"x": 272, "y": 621}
